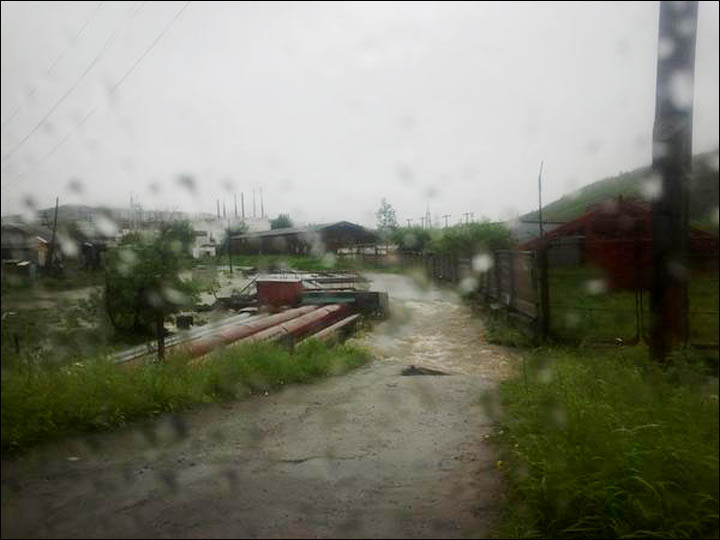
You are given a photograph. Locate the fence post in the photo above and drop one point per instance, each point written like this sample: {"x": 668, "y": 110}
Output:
{"x": 544, "y": 290}
{"x": 511, "y": 255}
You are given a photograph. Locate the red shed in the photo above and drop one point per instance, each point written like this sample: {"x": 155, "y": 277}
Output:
{"x": 616, "y": 236}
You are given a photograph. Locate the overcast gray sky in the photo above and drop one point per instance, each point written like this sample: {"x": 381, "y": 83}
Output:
{"x": 329, "y": 107}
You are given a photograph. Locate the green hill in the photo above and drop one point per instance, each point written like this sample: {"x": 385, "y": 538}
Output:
{"x": 636, "y": 183}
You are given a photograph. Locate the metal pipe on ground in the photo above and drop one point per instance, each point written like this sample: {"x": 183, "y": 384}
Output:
{"x": 330, "y": 332}
{"x": 300, "y": 326}
{"x": 230, "y": 335}
{"x": 197, "y": 333}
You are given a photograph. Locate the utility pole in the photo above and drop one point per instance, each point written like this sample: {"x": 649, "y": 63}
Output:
{"x": 446, "y": 216}
{"x": 235, "y": 198}
{"x": 467, "y": 217}
{"x": 542, "y": 265}
{"x": 672, "y": 160}
{"x": 540, "y": 221}
{"x": 242, "y": 204}
{"x": 262, "y": 205}
{"x": 224, "y": 213}
{"x": 408, "y": 222}
{"x": 51, "y": 251}
{"x": 472, "y": 217}
{"x": 218, "y": 207}
{"x": 254, "y": 214}
{"x": 229, "y": 243}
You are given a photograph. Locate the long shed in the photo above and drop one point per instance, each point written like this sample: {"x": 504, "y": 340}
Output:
{"x": 327, "y": 237}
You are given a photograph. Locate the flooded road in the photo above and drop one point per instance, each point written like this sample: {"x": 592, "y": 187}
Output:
{"x": 368, "y": 454}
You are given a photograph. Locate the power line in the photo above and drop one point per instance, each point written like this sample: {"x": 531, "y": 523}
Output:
{"x": 151, "y": 47}
{"x": 55, "y": 62}
{"x": 112, "y": 90}
{"x": 72, "y": 88}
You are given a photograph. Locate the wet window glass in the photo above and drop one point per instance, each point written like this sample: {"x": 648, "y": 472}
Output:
{"x": 359, "y": 269}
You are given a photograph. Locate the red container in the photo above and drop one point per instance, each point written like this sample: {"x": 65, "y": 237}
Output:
{"x": 279, "y": 291}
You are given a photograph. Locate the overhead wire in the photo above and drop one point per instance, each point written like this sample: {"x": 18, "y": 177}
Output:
{"x": 112, "y": 90}
{"x": 72, "y": 88}
{"x": 58, "y": 58}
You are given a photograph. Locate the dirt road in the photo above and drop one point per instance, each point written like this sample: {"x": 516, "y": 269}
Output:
{"x": 368, "y": 454}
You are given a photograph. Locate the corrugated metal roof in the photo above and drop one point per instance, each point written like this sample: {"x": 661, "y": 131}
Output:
{"x": 300, "y": 230}
{"x": 27, "y": 229}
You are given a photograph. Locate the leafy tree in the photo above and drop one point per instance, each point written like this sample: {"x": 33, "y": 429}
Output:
{"x": 411, "y": 238}
{"x": 386, "y": 219}
{"x": 473, "y": 238}
{"x": 233, "y": 230}
{"x": 281, "y": 222}
{"x": 180, "y": 234}
{"x": 142, "y": 282}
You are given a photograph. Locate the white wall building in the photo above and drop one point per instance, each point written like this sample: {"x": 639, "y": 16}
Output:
{"x": 210, "y": 232}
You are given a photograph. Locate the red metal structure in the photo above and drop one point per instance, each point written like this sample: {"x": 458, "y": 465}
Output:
{"x": 616, "y": 237}
{"x": 278, "y": 291}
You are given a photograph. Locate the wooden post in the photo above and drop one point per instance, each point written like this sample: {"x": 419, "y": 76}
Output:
{"x": 513, "y": 294}
{"x": 544, "y": 290}
{"x": 540, "y": 219}
{"x": 672, "y": 156}
{"x": 229, "y": 244}
{"x": 49, "y": 265}
{"x": 160, "y": 334}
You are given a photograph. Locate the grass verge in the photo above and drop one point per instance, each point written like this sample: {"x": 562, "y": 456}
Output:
{"x": 609, "y": 445}
{"x": 500, "y": 333}
{"x": 43, "y": 403}
{"x": 576, "y": 313}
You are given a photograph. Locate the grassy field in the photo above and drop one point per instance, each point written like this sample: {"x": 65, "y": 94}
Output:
{"x": 606, "y": 445}
{"x": 44, "y": 402}
{"x": 580, "y": 309}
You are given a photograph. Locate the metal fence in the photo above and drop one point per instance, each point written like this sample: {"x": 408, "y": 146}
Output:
{"x": 599, "y": 291}
{"x": 583, "y": 291}
{"x": 512, "y": 281}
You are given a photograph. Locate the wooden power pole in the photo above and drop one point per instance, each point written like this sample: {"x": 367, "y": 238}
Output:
{"x": 672, "y": 158}
{"x": 540, "y": 222}
{"x": 50, "y": 263}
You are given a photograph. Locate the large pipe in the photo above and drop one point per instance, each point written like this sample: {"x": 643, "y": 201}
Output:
{"x": 300, "y": 326}
{"x": 326, "y": 334}
{"x": 229, "y": 335}
{"x": 197, "y": 333}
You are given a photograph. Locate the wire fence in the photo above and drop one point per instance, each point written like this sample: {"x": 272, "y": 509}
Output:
{"x": 578, "y": 290}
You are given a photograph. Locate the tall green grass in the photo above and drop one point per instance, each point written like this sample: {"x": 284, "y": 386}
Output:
{"x": 607, "y": 445}
{"x": 576, "y": 314}
{"x": 40, "y": 403}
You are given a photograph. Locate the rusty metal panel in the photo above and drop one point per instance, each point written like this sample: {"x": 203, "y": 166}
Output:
{"x": 503, "y": 263}
{"x": 525, "y": 283}
{"x": 279, "y": 291}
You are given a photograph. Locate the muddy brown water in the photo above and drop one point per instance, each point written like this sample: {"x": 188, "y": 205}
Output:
{"x": 368, "y": 454}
